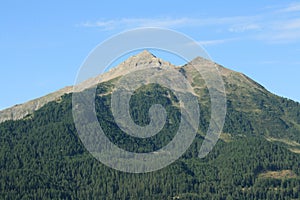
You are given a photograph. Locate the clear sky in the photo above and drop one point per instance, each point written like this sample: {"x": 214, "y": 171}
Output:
{"x": 43, "y": 43}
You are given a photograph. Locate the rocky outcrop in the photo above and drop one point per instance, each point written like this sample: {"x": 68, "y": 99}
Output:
{"x": 141, "y": 60}
{"x": 20, "y": 111}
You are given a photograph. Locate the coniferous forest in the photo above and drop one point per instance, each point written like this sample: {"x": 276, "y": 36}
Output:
{"x": 42, "y": 157}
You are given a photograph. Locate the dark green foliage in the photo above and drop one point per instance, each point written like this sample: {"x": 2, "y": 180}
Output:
{"x": 261, "y": 113}
{"x": 140, "y": 104}
{"x": 41, "y": 157}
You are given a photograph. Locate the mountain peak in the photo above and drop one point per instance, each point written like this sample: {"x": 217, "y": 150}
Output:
{"x": 145, "y": 54}
{"x": 140, "y": 61}
{"x": 144, "y": 59}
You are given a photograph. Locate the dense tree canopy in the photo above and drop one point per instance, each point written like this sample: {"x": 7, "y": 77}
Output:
{"x": 42, "y": 157}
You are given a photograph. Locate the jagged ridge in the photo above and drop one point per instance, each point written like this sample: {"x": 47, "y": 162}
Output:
{"x": 143, "y": 59}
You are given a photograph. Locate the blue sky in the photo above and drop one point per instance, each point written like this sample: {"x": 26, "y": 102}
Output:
{"x": 43, "y": 44}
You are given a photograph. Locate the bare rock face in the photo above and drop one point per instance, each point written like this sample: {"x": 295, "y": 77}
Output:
{"x": 141, "y": 60}
{"x": 228, "y": 76}
{"x": 144, "y": 59}
{"x": 20, "y": 111}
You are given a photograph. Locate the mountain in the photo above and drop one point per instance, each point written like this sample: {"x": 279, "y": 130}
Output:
{"x": 257, "y": 156}
{"x": 145, "y": 58}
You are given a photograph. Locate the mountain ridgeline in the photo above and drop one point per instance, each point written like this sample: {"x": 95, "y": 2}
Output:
{"x": 256, "y": 157}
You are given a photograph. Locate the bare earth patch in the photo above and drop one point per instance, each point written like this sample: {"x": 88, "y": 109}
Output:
{"x": 283, "y": 174}
{"x": 295, "y": 150}
{"x": 285, "y": 141}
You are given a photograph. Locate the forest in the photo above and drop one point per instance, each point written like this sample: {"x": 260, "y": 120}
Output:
{"x": 42, "y": 157}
